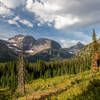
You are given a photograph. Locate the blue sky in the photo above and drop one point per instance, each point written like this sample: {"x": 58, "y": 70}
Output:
{"x": 65, "y": 21}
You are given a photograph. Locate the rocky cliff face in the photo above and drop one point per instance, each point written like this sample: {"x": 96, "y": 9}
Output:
{"x": 21, "y": 41}
{"x": 42, "y": 48}
{"x": 75, "y": 49}
{"x": 32, "y": 46}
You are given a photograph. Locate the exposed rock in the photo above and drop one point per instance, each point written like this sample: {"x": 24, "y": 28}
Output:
{"x": 32, "y": 46}
{"x": 75, "y": 49}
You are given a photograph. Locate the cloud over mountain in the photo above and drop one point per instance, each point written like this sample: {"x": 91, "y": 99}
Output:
{"x": 69, "y": 16}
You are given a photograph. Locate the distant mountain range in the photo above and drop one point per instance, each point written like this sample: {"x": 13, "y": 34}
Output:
{"x": 42, "y": 48}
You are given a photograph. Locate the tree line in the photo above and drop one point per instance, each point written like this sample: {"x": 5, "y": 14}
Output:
{"x": 41, "y": 69}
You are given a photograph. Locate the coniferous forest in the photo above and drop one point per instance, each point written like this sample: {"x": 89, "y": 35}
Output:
{"x": 42, "y": 69}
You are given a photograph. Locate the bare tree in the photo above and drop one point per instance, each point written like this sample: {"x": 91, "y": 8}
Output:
{"x": 21, "y": 74}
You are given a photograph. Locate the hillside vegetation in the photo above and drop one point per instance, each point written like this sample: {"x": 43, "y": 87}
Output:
{"x": 84, "y": 86}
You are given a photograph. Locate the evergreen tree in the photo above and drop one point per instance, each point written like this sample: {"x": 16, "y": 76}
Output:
{"x": 95, "y": 54}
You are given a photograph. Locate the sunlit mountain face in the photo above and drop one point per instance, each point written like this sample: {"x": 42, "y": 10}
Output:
{"x": 67, "y": 21}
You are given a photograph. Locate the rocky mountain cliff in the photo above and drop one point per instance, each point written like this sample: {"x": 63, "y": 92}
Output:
{"x": 75, "y": 49}
{"x": 32, "y": 46}
{"x": 57, "y": 54}
{"x": 42, "y": 48}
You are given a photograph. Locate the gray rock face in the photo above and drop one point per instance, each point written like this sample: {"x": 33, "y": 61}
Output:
{"x": 22, "y": 41}
{"x": 48, "y": 50}
{"x": 32, "y": 46}
{"x": 75, "y": 49}
{"x": 28, "y": 42}
{"x": 43, "y": 44}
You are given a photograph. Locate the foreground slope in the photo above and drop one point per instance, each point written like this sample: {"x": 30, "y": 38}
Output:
{"x": 72, "y": 87}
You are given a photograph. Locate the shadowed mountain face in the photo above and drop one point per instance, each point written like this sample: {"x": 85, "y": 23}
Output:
{"x": 22, "y": 41}
{"x": 6, "y": 54}
{"x": 75, "y": 49}
{"x": 42, "y": 48}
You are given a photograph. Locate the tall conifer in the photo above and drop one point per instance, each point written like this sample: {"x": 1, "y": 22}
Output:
{"x": 95, "y": 54}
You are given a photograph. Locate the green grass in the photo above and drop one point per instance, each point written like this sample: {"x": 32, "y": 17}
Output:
{"x": 84, "y": 86}
{"x": 68, "y": 87}
{"x": 5, "y": 94}
{"x": 88, "y": 89}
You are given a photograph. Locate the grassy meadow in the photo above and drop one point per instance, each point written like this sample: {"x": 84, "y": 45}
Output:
{"x": 83, "y": 86}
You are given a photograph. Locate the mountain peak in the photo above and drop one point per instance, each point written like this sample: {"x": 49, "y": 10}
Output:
{"x": 75, "y": 48}
{"x": 30, "y": 45}
{"x": 79, "y": 43}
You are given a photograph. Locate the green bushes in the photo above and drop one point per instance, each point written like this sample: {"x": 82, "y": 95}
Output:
{"x": 86, "y": 89}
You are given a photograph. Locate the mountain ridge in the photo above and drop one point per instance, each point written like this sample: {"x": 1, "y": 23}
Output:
{"x": 41, "y": 48}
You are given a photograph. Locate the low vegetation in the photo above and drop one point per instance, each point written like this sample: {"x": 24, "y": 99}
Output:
{"x": 69, "y": 87}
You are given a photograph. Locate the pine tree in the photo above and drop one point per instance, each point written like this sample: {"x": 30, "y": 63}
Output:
{"x": 21, "y": 74}
{"x": 95, "y": 54}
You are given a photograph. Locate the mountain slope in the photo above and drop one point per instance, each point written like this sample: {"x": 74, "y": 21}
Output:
{"x": 45, "y": 49}
{"x": 75, "y": 49}
{"x": 51, "y": 55}
{"x": 57, "y": 54}
{"x": 32, "y": 46}
{"x": 6, "y": 54}
{"x": 86, "y": 51}
{"x": 84, "y": 86}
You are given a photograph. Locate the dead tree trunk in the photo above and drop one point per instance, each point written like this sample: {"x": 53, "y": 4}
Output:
{"x": 21, "y": 74}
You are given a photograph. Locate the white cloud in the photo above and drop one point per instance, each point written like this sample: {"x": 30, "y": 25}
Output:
{"x": 66, "y": 13}
{"x": 81, "y": 36}
{"x": 61, "y": 22}
{"x": 64, "y": 43}
{"x": 7, "y": 5}
{"x": 11, "y": 21}
{"x": 16, "y": 18}
{"x": 74, "y": 37}
{"x": 61, "y": 14}
{"x": 23, "y": 21}
{"x": 29, "y": 4}
{"x": 26, "y": 22}
{"x": 39, "y": 24}
{"x": 12, "y": 3}
{"x": 14, "y": 21}
{"x": 5, "y": 11}
{"x": 45, "y": 13}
